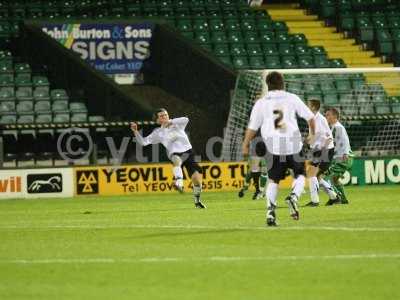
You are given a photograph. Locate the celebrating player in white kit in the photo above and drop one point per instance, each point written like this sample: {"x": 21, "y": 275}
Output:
{"x": 276, "y": 114}
{"x": 173, "y": 137}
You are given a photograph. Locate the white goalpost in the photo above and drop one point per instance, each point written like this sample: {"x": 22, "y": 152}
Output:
{"x": 367, "y": 98}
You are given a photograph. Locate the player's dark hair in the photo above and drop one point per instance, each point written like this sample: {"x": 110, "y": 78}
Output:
{"x": 155, "y": 114}
{"x": 334, "y": 111}
{"x": 275, "y": 81}
{"x": 315, "y": 103}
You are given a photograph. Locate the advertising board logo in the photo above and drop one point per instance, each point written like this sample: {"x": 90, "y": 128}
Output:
{"x": 10, "y": 184}
{"x": 44, "y": 183}
{"x": 87, "y": 182}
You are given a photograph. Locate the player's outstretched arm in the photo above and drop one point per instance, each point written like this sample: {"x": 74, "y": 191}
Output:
{"x": 144, "y": 141}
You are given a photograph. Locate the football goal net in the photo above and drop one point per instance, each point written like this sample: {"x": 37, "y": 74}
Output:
{"x": 368, "y": 100}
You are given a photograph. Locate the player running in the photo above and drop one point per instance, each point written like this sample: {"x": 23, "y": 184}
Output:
{"x": 322, "y": 151}
{"x": 342, "y": 158}
{"x": 173, "y": 137}
{"x": 276, "y": 114}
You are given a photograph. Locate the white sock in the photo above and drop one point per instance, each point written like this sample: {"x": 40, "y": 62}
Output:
{"x": 314, "y": 188}
{"x": 178, "y": 175}
{"x": 328, "y": 188}
{"x": 196, "y": 192}
{"x": 272, "y": 193}
{"x": 298, "y": 186}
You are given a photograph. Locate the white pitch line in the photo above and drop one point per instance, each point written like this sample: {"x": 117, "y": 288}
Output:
{"x": 197, "y": 259}
{"x": 199, "y": 227}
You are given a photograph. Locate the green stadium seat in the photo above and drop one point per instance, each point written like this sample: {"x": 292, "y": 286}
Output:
{"x": 60, "y": 106}
{"x": 43, "y": 107}
{"x": 395, "y": 107}
{"x": 79, "y": 117}
{"x": 337, "y": 63}
{"x": 96, "y": 119}
{"x": 77, "y": 107}
{"x": 7, "y": 107}
{"x": 61, "y": 118}
{"x": 254, "y": 50}
{"x": 305, "y": 61}
{"x": 40, "y": 81}
{"x": 321, "y": 62}
{"x": 23, "y": 79}
{"x": 216, "y": 25}
{"x": 365, "y": 29}
{"x": 283, "y": 38}
{"x": 26, "y": 119}
{"x": 330, "y": 99}
{"x": 24, "y": 107}
{"x": 251, "y": 37}
{"x": 238, "y": 50}
{"x": 328, "y": 9}
{"x": 270, "y": 49}
{"x": 327, "y": 86}
{"x": 8, "y": 119}
{"x": 267, "y": 37}
{"x": 43, "y": 118}
{"x": 24, "y": 93}
{"x": 272, "y": 62}
{"x": 248, "y": 24}
{"x": 298, "y": 39}
{"x": 279, "y": 26}
{"x": 382, "y": 108}
{"x": 218, "y": 37}
{"x": 6, "y": 80}
{"x": 232, "y": 25}
{"x": 256, "y": 62}
{"x": 289, "y": 62}
{"x": 366, "y": 109}
{"x": 200, "y": 25}
{"x": 6, "y": 66}
{"x": 286, "y": 49}
{"x": 58, "y": 94}
{"x": 221, "y": 50}
{"x": 184, "y": 25}
{"x": 22, "y": 68}
{"x": 343, "y": 85}
{"x": 264, "y": 25}
{"x": 7, "y": 94}
{"x": 235, "y": 37}
{"x": 302, "y": 50}
{"x": 240, "y": 62}
{"x": 40, "y": 94}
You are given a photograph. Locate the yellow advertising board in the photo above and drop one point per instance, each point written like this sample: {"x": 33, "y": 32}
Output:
{"x": 156, "y": 178}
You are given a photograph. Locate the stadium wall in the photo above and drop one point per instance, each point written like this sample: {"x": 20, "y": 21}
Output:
{"x": 190, "y": 72}
{"x": 158, "y": 178}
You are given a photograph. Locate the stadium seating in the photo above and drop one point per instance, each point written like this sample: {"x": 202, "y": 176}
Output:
{"x": 374, "y": 23}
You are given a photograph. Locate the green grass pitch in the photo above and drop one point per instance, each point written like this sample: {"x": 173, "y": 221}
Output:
{"x": 160, "y": 247}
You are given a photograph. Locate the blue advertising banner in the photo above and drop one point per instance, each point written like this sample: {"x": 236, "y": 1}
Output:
{"x": 111, "y": 48}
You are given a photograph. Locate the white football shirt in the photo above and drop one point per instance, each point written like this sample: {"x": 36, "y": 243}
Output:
{"x": 173, "y": 137}
{"x": 275, "y": 114}
{"x": 323, "y": 135}
{"x": 341, "y": 139}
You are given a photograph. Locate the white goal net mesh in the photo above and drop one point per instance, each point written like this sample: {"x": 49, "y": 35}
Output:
{"x": 368, "y": 100}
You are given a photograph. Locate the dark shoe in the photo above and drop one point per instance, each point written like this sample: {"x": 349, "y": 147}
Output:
{"x": 271, "y": 218}
{"x": 241, "y": 193}
{"x": 333, "y": 202}
{"x": 312, "y": 204}
{"x": 256, "y": 195}
{"x": 344, "y": 201}
{"x": 199, "y": 205}
{"x": 292, "y": 204}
